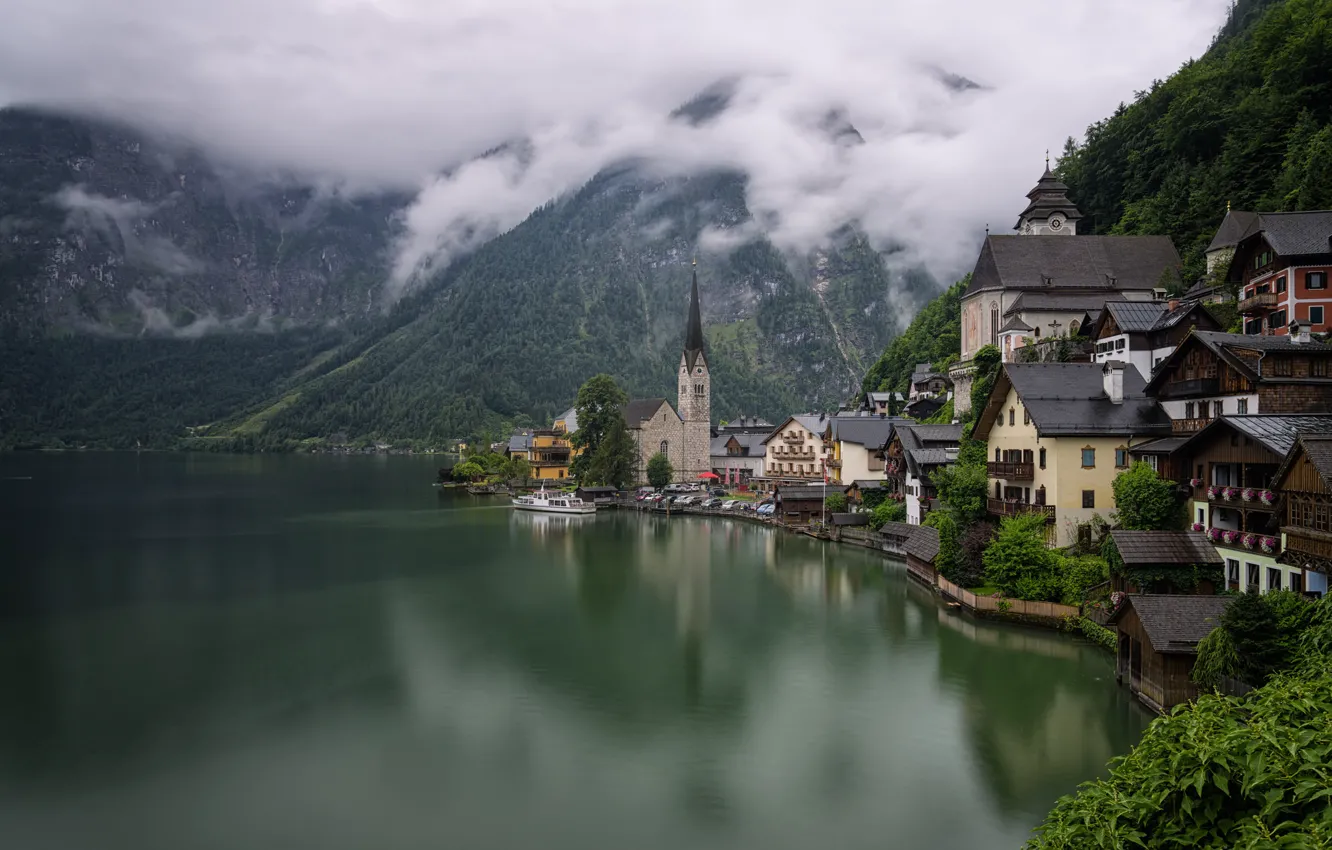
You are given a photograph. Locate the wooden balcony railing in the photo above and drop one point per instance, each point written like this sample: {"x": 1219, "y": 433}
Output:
{"x": 1003, "y": 507}
{"x": 1307, "y": 541}
{"x": 834, "y": 464}
{"x": 1188, "y": 426}
{"x": 1258, "y": 303}
{"x": 1011, "y": 470}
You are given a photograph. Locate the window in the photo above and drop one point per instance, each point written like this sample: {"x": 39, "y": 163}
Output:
{"x": 1088, "y": 498}
{"x": 665, "y": 447}
{"x": 1202, "y": 516}
{"x": 1297, "y": 582}
{"x": 1281, "y": 367}
{"x": 994, "y": 324}
{"x": 1042, "y": 458}
{"x": 1280, "y": 285}
{"x": 1188, "y": 410}
{"x": 1316, "y": 315}
{"x": 1242, "y": 406}
{"x": 1273, "y": 578}
{"x": 1318, "y": 367}
{"x": 1026, "y": 416}
{"x": 1315, "y": 280}
{"x": 1276, "y": 319}
{"x": 1088, "y": 457}
{"x": 1252, "y": 570}
{"x": 1218, "y": 409}
{"x": 1010, "y": 416}
{"x": 1253, "y": 327}
{"x": 1121, "y": 458}
{"x": 1152, "y": 462}
{"x": 1232, "y": 574}
{"x": 1026, "y": 455}
{"x": 997, "y": 457}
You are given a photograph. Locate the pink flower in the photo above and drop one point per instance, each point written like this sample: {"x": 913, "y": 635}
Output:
{"x": 1197, "y": 526}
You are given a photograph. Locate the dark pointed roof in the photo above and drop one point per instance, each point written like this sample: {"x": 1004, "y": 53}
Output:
{"x": 694, "y": 331}
{"x": 1234, "y": 227}
{"x": 1049, "y": 196}
{"x": 638, "y": 410}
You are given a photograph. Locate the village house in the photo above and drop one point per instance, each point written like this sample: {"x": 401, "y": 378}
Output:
{"x": 925, "y": 382}
{"x": 1050, "y": 281}
{"x": 803, "y": 504}
{"x": 1214, "y": 374}
{"x": 913, "y": 453}
{"x": 856, "y": 444}
{"x": 738, "y": 452}
{"x": 1176, "y": 561}
{"x": 1145, "y": 333}
{"x": 1235, "y": 500}
{"x": 795, "y": 451}
{"x": 1158, "y": 644}
{"x": 1305, "y": 483}
{"x": 1060, "y": 433}
{"x": 547, "y": 450}
{"x": 1280, "y": 262}
{"x": 924, "y": 407}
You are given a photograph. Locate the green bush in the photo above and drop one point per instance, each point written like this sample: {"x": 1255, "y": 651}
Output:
{"x": 1145, "y": 501}
{"x": 1018, "y": 562}
{"x": 942, "y": 521}
{"x": 1077, "y": 574}
{"x": 886, "y": 511}
{"x": 835, "y": 503}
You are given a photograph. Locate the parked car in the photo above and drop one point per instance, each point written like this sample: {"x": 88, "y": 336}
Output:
{"x": 718, "y": 491}
{"x": 730, "y": 505}
{"x": 766, "y": 509}
{"x": 713, "y": 503}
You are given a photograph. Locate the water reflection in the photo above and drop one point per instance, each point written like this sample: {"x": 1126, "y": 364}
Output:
{"x": 349, "y": 664}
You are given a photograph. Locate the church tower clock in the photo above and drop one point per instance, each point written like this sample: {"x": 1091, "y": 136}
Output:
{"x": 1049, "y": 211}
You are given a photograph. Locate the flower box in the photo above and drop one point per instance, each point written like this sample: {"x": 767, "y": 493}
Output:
{"x": 1248, "y": 494}
{"x": 1197, "y": 526}
{"x": 1249, "y": 541}
{"x": 1195, "y": 482}
{"x": 1214, "y": 534}
{"x": 1213, "y": 492}
{"x": 1268, "y": 544}
{"x": 1230, "y": 494}
{"x": 1230, "y": 537}
{"x": 1267, "y": 497}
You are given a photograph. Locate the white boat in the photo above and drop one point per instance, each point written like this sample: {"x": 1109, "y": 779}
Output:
{"x": 554, "y": 503}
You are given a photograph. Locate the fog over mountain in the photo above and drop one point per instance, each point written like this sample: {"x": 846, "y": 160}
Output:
{"x": 955, "y": 101}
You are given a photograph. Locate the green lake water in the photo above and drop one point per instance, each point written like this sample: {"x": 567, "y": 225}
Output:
{"x": 291, "y": 652}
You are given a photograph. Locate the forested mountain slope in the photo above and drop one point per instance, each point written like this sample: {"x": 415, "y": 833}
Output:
{"x": 1249, "y": 124}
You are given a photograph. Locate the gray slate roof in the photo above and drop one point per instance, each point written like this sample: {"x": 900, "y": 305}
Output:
{"x": 812, "y": 422}
{"x": 806, "y": 492}
{"x": 923, "y": 543}
{"x": 923, "y": 372}
{"x": 870, "y": 431}
{"x": 849, "y": 519}
{"x": 1241, "y": 351}
{"x": 640, "y": 409}
{"x": 1182, "y": 548}
{"x": 1318, "y": 449}
{"x": 927, "y": 445}
{"x": 1140, "y": 316}
{"x": 1069, "y": 399}
{"x": 519, "y": 442}
{"x": 1055, "y": 301}
{"x": 1234, "y": 227}
{"x": 570, "y": 418}
{"x": 1295, "y": 233}
{"x": 753, "y": 442}
{"x": 1098, "y": 263}
{"x": 1049, "y": 196}
{"x": 1163, "y": 446}
{"x": 1015, "y": 323}
{"x": 1276, "y": 432}
{"x": 750, "y": 424}
{"x": 870, "y": 483}
{"x": 1174, "y": 623}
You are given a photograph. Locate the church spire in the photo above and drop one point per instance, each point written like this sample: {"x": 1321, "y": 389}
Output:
{"x": 694, "y": 331}
{"x": 1050, "y": 211}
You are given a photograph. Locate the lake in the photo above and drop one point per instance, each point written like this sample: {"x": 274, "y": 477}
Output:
{"x": 326, "y": 652}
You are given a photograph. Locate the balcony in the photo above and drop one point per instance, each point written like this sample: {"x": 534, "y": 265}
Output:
{"x": 1259, "y": 303}
{"x": 1233, "y": 497}
{"x": 1308, "y": 542}
{"x": 794, "y": 438}
{"x": 834, "y": 464}
{"x": 1011, "y": 470}
{"x": 1188, "y": 426}
{"x": 1003, "y": 507}
{"x": 1194, "y": 387}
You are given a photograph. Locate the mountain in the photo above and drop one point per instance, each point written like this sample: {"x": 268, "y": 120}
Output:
{"x": 153, "y": 296}
{"x": 1248, "y": 124}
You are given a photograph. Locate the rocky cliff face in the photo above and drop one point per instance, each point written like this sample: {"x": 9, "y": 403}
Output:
{"x": 102, "y": 227}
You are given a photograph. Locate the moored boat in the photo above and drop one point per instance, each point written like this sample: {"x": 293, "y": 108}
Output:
{"x": 553, "y": 503}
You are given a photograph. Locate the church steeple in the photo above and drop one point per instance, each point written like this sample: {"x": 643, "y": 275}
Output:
{"x": 1049, "y": 211}
{"x": 693, "y": 348}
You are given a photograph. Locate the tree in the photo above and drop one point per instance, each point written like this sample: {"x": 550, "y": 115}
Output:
{"x": 963, "y": 489}
{"x": 887, "y": 510}
{"x": 659, "y": 470}
{"x": 517, "y": 469}
{"x": 942, "y": 522}
{"x": 835, "y": 503}
{"x": 1145, "y": 501}
{"x": 614, "y": 460}
{"x": 968, "y": 569}
{"x": 987, "y": 362}
{"x": 599, "y": 404}
{"x": 1018, "y": 562}
{"x": 469, "y": 471}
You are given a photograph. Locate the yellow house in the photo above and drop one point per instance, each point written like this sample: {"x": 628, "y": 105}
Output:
{"x": 856, "y": 443}
{"x": 1058, "y": 434}
{"x": 548, "y": 450}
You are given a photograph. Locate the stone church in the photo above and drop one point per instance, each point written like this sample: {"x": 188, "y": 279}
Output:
{"x": 684, "y": 432}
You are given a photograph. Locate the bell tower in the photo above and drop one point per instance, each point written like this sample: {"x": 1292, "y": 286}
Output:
{"x": 695, "y": 393}
{"x": 1049, "y": 211}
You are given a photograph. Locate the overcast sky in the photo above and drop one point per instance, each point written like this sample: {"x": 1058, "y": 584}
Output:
{"x": 390, "y": 92}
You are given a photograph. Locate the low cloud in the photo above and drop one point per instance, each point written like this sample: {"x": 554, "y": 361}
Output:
{"x": 955, "y": 102}
{"x": 118, "y": 219}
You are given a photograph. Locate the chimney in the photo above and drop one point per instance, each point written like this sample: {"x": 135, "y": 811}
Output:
{"x": 1299, "y": 333}
{"x": 1112, "y": 378}
{"x": 1172, "y": 305}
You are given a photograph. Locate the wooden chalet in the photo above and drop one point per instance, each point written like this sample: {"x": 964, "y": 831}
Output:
{"x": 803, "y": 504}
{"x": 1158, "y": 644}
{"x": 1175, "y": 557}
{"x": 922, "y": 547}
{"x": 1217, "y": 374}
{"x": 1305, "y": 483}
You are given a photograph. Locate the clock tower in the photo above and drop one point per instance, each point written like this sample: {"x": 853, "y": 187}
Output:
{"x": 695, "y": 395}
{"x": 1049, "y": 211}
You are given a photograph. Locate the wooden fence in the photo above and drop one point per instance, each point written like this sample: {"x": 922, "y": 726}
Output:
{"x": 1019, "y": 607}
